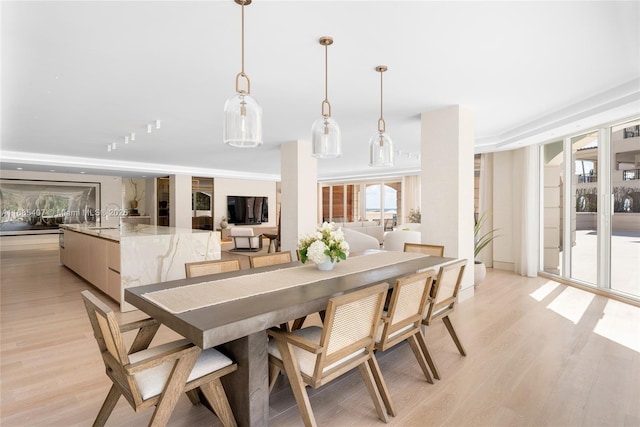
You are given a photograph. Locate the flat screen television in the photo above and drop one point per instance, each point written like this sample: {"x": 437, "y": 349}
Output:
{"x": 245, "y": 210}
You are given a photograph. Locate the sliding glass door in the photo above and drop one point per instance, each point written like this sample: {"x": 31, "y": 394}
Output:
{"x": 553, "y": 208}
{"x": 591, "y": 208}
{"x": 584, "y": 208}
{"x": 625, "y": 221}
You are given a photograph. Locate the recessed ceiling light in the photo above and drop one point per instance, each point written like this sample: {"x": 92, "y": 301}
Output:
{"x": 52, "y": 170}
{"x": 19, "y": 169}
{"x": 82, "y": 172}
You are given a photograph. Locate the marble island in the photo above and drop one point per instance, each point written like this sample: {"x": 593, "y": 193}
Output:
{"x": 115, "y": 258}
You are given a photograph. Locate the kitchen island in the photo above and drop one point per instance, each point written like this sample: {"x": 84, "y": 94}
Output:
{"x": 115, "y": 258}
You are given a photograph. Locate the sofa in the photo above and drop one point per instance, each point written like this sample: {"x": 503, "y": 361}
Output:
{"x": 410, "y": 226}
{"x": 367, "y": 227}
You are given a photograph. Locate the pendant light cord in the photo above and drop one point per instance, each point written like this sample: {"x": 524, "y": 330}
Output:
{"x": 326, "y": 73}
{"x": 325, "y": 103}
{"x": 381, "y": 123}
{"x": 242, "y": 74}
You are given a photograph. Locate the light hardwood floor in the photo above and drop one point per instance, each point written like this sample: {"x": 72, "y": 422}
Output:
{"x": 539, "y": 354}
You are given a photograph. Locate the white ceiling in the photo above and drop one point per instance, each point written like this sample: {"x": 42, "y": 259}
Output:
{"x": 79, "y": 75}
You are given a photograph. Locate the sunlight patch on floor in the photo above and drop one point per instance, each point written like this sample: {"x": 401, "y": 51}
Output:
{"x": 620, "y": 323}
{"x": 543, "y": 291}
{"x": 571, "y": 304}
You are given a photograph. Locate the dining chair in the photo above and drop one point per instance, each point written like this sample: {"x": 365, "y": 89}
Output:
{"x": 203, "y": 268}
{"x": 155, "y": 376}
{"x": 270, "y": 259}
{"x": 444, "y": 294}
{"x": 274, "y": 259}
{"x": 315, "y": 355}
{"x": 433, "y": 250}
{"x": 403, "y": 319}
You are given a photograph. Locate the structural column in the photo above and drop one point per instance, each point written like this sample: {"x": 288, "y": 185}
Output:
{"x": 447, "y": 187}
{"x": 180, "y": 201}
{"x": 299, "y": 208}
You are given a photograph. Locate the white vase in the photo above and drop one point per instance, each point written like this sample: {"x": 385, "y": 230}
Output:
{"x": 327, "y": 265}
{"x": 479, "y": 272}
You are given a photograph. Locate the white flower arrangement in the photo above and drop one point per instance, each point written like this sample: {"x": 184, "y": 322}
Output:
{"x": 325, "y": 244}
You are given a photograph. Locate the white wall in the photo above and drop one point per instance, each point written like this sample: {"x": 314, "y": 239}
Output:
{"x": 224, "y": 187}
{"x": 111, "y": 195}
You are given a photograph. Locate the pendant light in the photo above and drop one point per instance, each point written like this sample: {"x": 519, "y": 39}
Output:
{"x": 380, "y": 145}
{"x": 242, "y": 114}
{"x": 325, "y": 133}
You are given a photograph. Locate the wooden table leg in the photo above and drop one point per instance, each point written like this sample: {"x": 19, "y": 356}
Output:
{"x": 248, "y": 387}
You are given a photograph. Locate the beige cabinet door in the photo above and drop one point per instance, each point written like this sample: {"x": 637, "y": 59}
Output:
{"x": 97, "y": 262}
{"x": 114, "y": 284}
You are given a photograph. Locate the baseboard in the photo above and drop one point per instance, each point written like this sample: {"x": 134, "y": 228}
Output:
{"x": 499, "y": 265}
{"x": 466, "y": 293}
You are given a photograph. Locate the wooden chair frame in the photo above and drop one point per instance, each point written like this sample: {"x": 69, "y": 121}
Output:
{"x": 366, "y": 361}
{"x": 433, "y": 250}
{"x": 270, "y": 259}
{"x": 203, "y": 268}
{"x": 441, "y": 306}
{"x": 403, "y": 319}
{"x": 121, "y": 371}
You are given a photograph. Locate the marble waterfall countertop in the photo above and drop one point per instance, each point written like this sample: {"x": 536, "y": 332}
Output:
{"x": 115, "y": 233}
{"x": 153, "y": 254}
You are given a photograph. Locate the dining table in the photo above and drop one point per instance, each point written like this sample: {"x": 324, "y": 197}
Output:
{"x": 233, "y": 310}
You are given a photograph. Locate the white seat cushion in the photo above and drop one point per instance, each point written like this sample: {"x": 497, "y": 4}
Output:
{"x": 152, "y": 381}
{"x": 306, "y": 360}
{"x": 391, "y": 336}
{"x": 241, "y": 231}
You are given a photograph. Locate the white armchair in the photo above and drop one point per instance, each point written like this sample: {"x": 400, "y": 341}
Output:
{"x": 245, "y": 240}
{"x": 358, "y": 241}
{"x": 395, "y": 240}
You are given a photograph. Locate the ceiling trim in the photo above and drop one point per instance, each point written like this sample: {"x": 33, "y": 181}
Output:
{"x": 621, "y": 101}
{"x": 120, "y": 167}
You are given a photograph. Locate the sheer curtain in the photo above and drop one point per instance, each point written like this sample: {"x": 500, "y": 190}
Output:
{"x": 410, "y": 195}
{"x": 485, "y": 204}
{"x": 525, "y": 211}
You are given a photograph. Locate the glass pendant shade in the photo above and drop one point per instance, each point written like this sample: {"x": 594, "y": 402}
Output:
{"x": 242, "y": 121}
{"x": 325, "y": 138}
{"x": 380, "y": 150}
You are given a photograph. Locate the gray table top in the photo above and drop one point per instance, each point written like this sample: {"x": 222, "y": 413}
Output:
{"x": 214, "y": 325}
